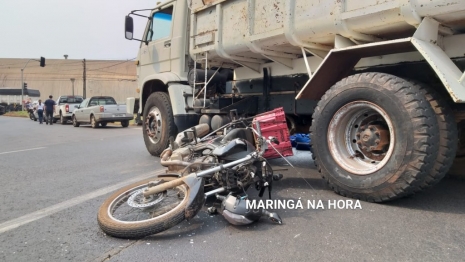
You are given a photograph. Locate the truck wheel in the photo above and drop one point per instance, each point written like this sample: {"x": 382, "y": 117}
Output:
{"x": 448, "y": 137}
{"x": 93, "y": 122}
{"x": 125, "y": 123}
{"x": 158, "y": 124}
{"x": 75, "y": 122}
{"x": 374, "y": 137}
{"x": 103, "y": 124}
{"x": 62, "y": 119}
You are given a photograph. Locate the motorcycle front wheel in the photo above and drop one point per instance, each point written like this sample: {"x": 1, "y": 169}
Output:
{"x": 127, "y": 214}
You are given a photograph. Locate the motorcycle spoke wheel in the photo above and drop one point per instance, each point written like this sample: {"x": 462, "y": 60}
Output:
{"x": 128, "y": 214}
{"x": 133, "y": 206}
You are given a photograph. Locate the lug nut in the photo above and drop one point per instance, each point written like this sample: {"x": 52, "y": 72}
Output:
{"x": 372, "y": 148}
{"x": 358, "y": 135}
{"x": 377, "y": 141}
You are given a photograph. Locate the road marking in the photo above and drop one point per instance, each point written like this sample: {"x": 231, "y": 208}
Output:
{"x": 17, "y": 222}
{"x": 30, "y": 149}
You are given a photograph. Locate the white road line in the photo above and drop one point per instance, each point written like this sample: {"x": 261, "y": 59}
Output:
{"x": 17, "y": 222}
{"x": 37, "y": 148}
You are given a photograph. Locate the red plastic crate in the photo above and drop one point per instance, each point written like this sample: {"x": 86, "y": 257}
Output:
{"x": 273, "y": 123}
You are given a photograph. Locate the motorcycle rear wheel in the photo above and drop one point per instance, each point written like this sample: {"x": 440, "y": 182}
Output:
{"x": 137, "y": 222}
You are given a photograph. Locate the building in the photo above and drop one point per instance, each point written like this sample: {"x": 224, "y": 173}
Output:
{"x": 115, "y": 78}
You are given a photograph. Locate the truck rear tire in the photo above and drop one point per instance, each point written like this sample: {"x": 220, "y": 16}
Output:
{"x": 158, "y": 125}
{"x": 93, "y": 122}
{"x": 448, "y": 137}
{"x": 63, "y": 120}
{"x": 374, "y": 137}
{"x": 75, "y": 122}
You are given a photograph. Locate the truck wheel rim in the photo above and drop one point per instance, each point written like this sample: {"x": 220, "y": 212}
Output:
{"x": 361, "y": 137}
{"x": 154, "y": 125}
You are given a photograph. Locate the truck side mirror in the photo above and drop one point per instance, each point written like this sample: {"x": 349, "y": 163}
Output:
{"x": 129, "y": 27}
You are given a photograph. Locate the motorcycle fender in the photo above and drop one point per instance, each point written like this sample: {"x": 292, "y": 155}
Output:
{"x": 196, "y": 198}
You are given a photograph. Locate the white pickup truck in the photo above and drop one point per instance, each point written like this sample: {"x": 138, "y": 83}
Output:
{"x": 100, "y": 110}
{"x": 65, "y": 106}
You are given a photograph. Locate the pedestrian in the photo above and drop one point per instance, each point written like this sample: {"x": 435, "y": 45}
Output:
{"x": 49, "y": 108}
{"x": 40, "y": 111}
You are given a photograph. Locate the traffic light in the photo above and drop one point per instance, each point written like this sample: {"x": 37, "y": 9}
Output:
{"x": 25, "y": 85}
{"x": 42, "y": 61}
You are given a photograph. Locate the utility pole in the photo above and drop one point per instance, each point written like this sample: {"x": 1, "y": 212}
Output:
{"x": 84, "y": 79}
{"x": 72, "y": 81}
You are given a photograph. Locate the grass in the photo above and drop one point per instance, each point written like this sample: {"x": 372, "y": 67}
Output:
{"x": 17, "y": 114}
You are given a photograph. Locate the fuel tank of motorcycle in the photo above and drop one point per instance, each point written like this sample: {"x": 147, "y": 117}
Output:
{"x": 234, "y": 149}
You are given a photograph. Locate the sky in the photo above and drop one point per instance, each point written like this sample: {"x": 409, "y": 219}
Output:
{"x": 91, "y": 29}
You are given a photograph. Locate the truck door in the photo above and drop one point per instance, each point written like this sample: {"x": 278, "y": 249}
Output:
{"x": 155, "y": 56}
{"x": 79, "y": 112}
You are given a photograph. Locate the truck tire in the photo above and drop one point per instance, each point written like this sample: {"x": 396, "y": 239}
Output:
{"x": 62, "y": 119}
{"x": 93, "y": 122}
{"x": 75, "y": 122}
{"x": 125, "y": 123}
{"x": 374, "y": 137}
{"x": 448, "y": 136}
{"x": 158, "y": 124}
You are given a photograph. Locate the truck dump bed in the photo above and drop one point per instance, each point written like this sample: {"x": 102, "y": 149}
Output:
{"x": 252, "y": 32}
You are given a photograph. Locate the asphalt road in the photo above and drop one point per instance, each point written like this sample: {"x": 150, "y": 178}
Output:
{"x": 54, "y": 178}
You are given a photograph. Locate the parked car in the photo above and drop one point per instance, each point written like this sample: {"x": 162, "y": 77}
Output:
{"x": 65, "y": 106}
{"x": 100, "y": 110}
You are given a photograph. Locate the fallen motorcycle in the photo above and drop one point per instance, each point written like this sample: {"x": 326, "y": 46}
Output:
{"x": 199, "y": 165}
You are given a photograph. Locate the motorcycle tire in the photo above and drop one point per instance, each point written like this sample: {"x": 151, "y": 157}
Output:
{"x": 138, "y": 229}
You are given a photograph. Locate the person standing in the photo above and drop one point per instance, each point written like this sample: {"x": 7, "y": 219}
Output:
{"x": 40, "y": 111}
{"x": 49, "y": 108}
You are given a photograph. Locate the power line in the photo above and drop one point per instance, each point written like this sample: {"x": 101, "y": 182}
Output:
{"x": 113, "y": 65}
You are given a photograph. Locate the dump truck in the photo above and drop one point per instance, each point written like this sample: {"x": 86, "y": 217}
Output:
{"x": 379, "y": 84}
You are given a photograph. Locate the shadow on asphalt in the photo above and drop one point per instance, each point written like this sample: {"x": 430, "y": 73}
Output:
{"x": 445, "y": 197}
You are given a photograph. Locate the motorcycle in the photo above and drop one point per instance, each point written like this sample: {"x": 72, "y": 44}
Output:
{"x": 199, "y": 165}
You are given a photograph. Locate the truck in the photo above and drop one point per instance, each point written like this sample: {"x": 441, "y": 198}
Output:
{"x": 99, "y": 111}
{"x": 380, "y": 85}
{"x": 10, "y": 98}
{"x": 65, "y": 106}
